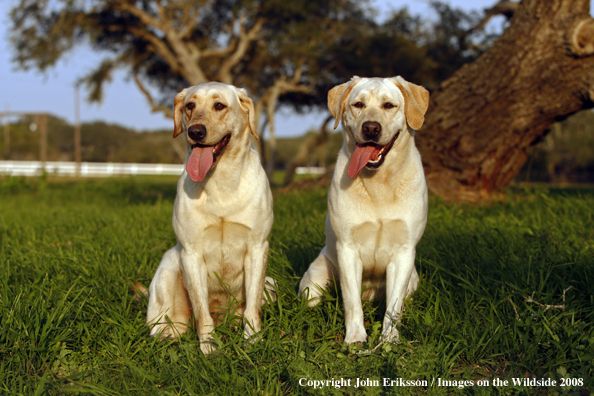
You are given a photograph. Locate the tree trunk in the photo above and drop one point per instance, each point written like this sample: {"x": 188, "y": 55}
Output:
{"x": 304, "y": 151}
{"x": 272, "y": 100}
{"x": 483, "y": 119}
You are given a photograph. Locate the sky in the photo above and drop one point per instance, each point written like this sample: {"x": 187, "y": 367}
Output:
{"x": 53, "y": 91}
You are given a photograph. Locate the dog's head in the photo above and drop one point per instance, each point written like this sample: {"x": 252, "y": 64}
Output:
{"x": 374, "y": 112}
{"x": 214, "y": 118}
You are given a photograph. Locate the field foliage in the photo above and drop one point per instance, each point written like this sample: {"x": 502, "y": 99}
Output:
{"x": 506, "y": 290}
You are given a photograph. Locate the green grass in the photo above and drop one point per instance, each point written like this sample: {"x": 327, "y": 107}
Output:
{"x": 69, "y": 324}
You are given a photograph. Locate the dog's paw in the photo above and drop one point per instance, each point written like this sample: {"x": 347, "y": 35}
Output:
{"x": 355, "y": 336}
{"x": 252, "y": 332}
{"x": 390, "y": 335}
{"x": 167, "y": 330}
{"x": 251, "y": 338}
{"x": 313, "y": 297}
{"x": 314, "y": 301}
{"x": 207, "y": 346}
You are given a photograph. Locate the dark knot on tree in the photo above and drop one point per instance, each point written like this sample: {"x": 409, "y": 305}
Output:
{"x": 582, "y": 38}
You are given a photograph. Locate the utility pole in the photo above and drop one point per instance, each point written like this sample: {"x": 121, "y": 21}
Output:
{"x": 42, "y": 122}
{"x": 6, "y": 135}
{"x": 77, "y": 139}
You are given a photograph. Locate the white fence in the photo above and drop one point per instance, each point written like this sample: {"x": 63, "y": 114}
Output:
{"x": 87, "y": 169}
{"x": 105, "y": 169}
{"x": 310, "y": 170}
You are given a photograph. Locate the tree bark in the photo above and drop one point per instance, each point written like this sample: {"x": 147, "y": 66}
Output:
{"x": 483, "y": 119}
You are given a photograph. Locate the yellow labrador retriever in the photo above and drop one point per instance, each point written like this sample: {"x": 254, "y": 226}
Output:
{"x": 377, "y": 203}
{"x": 222, "y": 217}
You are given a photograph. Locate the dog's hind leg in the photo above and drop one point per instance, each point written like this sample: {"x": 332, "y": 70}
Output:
{"x": 169, "y": 307}
{"x": 318, "y": 277}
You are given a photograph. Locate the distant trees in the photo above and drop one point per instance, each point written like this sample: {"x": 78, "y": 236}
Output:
{"x": 565, "y": 154}
{"x": 101, "y": 142}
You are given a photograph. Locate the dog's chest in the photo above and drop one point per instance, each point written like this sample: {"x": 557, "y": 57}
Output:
{"x": 224, "y": 243}
{"x": 377, "y": 242}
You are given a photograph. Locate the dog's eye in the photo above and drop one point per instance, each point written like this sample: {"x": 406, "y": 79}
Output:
{"x": 389, "y": 105}
{"x": 219, "y": 106}
{"x": 359, "y": 105}
{"x": 190, "y": 106}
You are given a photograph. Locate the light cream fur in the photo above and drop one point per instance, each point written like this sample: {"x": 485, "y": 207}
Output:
{"x": 222, "y": 224}
{"x": 376, "y": 219}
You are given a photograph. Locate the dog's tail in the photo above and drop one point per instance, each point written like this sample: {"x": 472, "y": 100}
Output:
{"x": 139, "y": 291}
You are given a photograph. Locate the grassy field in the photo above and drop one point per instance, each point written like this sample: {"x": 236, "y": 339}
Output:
{"x": 506, "y": 291}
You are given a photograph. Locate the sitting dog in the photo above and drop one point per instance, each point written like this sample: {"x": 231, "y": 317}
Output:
{"x": 222, "y": 217}
{"x": 377, "y": 203}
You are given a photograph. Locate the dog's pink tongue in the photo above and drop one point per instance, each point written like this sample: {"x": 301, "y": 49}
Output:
{"x": 359, "y": 159}
{"x": 199, "y": 163}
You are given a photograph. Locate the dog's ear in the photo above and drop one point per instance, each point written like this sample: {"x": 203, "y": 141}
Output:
{"x": 178, "y": 112}
{"x": 337, "y": 98}
{"x": 248, "y": 106}
{"x": 416, "y": 101}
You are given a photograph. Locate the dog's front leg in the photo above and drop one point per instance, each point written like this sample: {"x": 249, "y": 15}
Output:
{"x": 398, "y": 275}
{"x": 195, "y": 276}
{"x": 255, "y": 273}
{"x": 350, "y": 273}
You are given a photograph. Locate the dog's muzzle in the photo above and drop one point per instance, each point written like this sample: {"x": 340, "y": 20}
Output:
{"x": 203, "y": 157}
{"x": 368, "y": 155}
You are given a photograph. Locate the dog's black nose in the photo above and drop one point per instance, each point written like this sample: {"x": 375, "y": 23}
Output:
{"x": 197, "y": 132}
{"x": 371, "y": 129}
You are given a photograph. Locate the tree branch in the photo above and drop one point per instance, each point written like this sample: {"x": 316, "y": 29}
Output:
{"x": 185, "y": 59}
{"x": 159, "y": 46}
{"x": 154, "y": 107}
{"x": 243, "y": 42}
{"x": 144, "y": 17}
{"x": 191, "y": 16}
{"x": 292, "y": 84}
{"x": 219, "y": 52}
{"x": 506, "y": 8}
